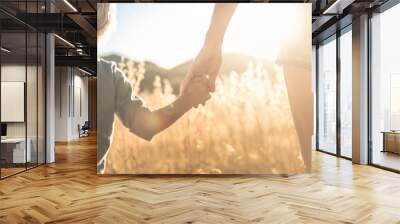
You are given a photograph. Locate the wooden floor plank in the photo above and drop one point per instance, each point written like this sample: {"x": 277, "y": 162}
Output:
{"x": 70, "y": 191}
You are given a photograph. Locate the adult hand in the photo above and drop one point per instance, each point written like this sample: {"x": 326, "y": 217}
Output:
{"x": 207, "y": 63}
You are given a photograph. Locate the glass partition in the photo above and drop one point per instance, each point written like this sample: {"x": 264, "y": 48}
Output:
{"x": 13, "y": 105}
{"x": 22, "y": 90}
{"x": 327, "y": 96}
{"x": 34, "y": 57}
{"x": 31, "y": 100}
{"x": 41, "y": 109}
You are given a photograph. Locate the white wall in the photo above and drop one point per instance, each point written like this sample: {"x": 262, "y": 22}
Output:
{"x": 61, "y": 103}
{"x": 80, "y": 85}
{"x": 15, "y": 73}
{"x": 69, "y": 85}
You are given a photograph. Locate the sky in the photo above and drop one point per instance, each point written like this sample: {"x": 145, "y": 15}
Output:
{"x": 170, "y": 34}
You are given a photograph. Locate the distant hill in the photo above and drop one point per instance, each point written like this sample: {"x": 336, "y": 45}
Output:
{"x": 231, "y": 62}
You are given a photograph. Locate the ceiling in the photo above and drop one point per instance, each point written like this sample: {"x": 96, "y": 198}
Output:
{"x": 74, "y": 21}
{"x": 329, "y": 16}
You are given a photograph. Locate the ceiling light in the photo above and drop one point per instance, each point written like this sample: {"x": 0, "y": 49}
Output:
{"x": 64, "y": 40}
{"x": 5, "y": 50}
{"x": 70, "y": 5}
{"x": 86, "y": 72}
{"x": 79, "y": 51}
{"x": 338, "y": 6}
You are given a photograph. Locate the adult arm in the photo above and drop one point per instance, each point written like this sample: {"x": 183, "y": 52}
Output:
{"x": 221, "y": 17}
{"x": 209, "y": 59}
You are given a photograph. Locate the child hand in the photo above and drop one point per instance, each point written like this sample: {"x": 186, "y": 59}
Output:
{"x": 196, "y": 91}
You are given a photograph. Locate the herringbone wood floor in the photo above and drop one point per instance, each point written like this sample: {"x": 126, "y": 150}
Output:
{"x": 69, "y": 191}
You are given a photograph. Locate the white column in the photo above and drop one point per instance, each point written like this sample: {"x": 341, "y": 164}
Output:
{"x": 360, "y": 90}
{"x": 50, "y": 99}
{"x": 50, "y": 92}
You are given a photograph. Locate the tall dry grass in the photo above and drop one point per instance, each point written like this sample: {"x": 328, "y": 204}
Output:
{"x": 246, "y": 127}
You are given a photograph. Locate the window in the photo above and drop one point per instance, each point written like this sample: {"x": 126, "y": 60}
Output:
{"x": 394, "y": 102}
{"x": 385, "y": 89}
{"x": 327, "y": 96}
{"x": 346, "y": 93}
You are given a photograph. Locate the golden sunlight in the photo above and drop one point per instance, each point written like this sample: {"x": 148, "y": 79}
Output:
{"x": 254, "y": 31}
{"x": 261, "y": 31}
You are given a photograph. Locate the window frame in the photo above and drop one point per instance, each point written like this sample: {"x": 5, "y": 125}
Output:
{"x": 334, "y": 37}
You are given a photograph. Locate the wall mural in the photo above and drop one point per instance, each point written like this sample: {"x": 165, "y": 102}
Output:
{"x": 204, "y": 88}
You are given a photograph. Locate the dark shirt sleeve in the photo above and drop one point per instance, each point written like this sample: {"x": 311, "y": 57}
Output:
{"x": 126, "y": 104}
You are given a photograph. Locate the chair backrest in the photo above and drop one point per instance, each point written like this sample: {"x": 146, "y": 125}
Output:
{"x": 86, "y": 124}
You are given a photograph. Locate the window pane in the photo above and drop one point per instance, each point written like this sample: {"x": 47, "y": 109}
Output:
{"x": 31, "y": 100}
{"x": 346, "y": 93}
{"x": 41, "y": 98}
{"x": 314, "y": 78}
{"x": 327, "y": 97}
{"x": 386, "y": 89}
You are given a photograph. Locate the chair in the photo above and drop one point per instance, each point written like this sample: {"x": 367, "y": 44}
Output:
{"x": 84, "y": 130}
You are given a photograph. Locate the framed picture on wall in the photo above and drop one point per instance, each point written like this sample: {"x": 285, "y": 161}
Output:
{"x": 226, "y": 90}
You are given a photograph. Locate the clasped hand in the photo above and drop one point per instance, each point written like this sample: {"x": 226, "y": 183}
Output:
{"x": 201, "y": 76}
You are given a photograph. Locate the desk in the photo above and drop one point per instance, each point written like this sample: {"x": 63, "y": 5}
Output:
{"x": 391, "y": 141}
{"x": 16, "y": 153}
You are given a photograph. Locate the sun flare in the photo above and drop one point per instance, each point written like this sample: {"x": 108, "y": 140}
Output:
{"x": 259, "y": 31}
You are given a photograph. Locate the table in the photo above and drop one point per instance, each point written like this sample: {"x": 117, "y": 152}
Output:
{"x": 16, "y": 153}
{"x": 391, "y": 141}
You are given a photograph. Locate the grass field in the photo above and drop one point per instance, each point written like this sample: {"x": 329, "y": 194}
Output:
{"x": 246, "y": 127}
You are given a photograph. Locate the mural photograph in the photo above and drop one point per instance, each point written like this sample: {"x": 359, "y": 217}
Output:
{"x": 204, "y": 88}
